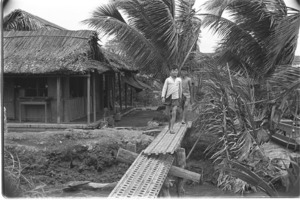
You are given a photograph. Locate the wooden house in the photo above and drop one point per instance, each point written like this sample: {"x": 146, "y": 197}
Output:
{"x": 55, "y": 77}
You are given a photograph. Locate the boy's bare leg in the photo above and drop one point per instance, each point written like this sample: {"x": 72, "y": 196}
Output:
{"x": 167, "y": 112}
{"x": 173, "y": 119}
{"x": 185, "y": 107}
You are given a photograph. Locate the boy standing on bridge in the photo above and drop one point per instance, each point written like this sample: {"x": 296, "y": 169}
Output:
{"x": 171, "y": 95}
{"x": 186, "y": 93}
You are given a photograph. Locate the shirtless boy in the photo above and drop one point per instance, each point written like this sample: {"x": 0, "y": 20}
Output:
{"x": 186, "y": 93}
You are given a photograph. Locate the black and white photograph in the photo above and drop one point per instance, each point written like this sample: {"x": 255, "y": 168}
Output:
{"x": 150, "y": 99}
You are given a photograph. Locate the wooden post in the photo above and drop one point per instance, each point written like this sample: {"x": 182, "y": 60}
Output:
{"x": 58, "y": 99}
{"x": 4, "y": 121}
{"x": 125, "y": 95}
{"x": 88, "y": 99}
{"x": 181, "y": 162}
{"x": 120, "y": 91}
{"x": 114, "y": 91}
{"x": 101, "y": 93}
{"x": 165, "y": 190}
{"x": 104, "y": 90}
{"x": 131, "y": 147}
{"x": 131, "y": 96}
{"x": 107, "y": 90}
{"x": 94, "y": 97}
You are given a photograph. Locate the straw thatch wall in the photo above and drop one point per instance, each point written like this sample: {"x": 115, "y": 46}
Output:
{"x": 20, "y": 20}
{"x": 52, "y": 51}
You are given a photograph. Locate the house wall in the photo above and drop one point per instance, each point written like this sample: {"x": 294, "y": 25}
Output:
{"x": 52, "y": 94}
{"x": 72, "y": 108}
{"x": 12, "y": 99}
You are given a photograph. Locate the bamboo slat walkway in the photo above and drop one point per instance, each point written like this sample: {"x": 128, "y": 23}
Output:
{"x": 144, "y": 178}
{"x": 165, "y": 142}
{"x": 146, "y": 175}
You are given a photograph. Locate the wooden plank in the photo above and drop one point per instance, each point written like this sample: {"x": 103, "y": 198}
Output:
{"x": 144, "y": 172}
{"x": 126, "y": 156}
{"x": 165, "y": 141}
{"x": 177, "y": 140}
{"x": 156, "y": 140}
{"x": 153, "y": 180}
{"x": 168, "y": 148}
{"x": 148, "y": 170}
{"x": 126, "y": 175}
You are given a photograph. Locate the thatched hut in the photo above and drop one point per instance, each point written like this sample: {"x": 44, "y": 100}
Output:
{"x": 55, "y": 76}
{"x": 20, "y": 20}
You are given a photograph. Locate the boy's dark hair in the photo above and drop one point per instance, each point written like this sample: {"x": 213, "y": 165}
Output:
{"x": 184, "y": 69}
{"x": 173, "y": 67}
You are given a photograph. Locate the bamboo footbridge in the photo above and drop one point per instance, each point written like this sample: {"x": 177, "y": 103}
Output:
{"x": 146, "y": 176}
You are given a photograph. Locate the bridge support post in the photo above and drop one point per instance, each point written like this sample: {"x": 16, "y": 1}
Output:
{"x": 181, "y": 162}
{"x": 165, "y": 190}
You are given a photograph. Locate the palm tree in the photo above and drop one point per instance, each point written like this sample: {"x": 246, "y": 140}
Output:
{"x": 154, "y": 34}
{"x": 258, "y": 44}
{"x": 256, "y": 37}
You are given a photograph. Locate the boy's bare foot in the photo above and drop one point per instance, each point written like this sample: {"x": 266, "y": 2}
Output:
{"x": 183, "y": 122}
{"x": 172, "y": 131}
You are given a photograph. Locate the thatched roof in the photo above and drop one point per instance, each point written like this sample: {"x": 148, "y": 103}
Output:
{"x": 52, "y": 51}
{"x": 117, "y": 62}
{"x": 20, "y": 20}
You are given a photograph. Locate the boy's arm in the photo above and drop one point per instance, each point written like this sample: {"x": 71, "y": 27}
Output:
{"x": 180, "y": 89}
{"x": 164, "y": 90}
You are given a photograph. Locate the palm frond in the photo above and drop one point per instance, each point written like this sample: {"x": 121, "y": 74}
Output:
{"x": 217, "y": 7}
{"x": 132, "y": 43}
{"x": 237, "y": 42}
{"x": 171, "y": 5}
{"x": 282, "y": 42}
{"x": 106, "y": 11}
{"x": 263, "y": 34}
{"x": 247, "y": 175}
{"x": 154, "y": 20}
{"x": 284, "y": 76}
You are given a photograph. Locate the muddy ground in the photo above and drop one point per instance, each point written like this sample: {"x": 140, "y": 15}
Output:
{"x": 49, "y": 160}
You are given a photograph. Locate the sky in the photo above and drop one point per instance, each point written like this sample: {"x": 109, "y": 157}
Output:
{"x": 70, "y": 13}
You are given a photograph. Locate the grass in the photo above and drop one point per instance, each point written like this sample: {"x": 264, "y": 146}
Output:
{"x": 15, "y": 183}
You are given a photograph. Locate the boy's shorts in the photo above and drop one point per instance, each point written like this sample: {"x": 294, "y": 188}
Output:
{"x": 185, "y": 99}
{"x": 171, "y": 102}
